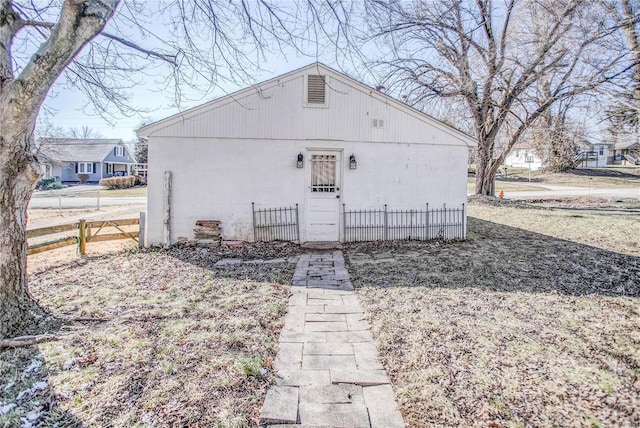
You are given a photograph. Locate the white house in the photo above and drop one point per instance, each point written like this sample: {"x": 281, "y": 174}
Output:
{"x": 312, "y": 137}
{"x": 594, "y": 155}
{"x": 523, "y": 155}
{"x": 626, "y": 152}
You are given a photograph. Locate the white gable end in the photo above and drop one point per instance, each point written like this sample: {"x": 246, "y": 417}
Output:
{"x": 278, "y": 110}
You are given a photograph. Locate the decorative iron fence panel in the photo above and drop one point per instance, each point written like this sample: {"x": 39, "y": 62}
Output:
{"x": 276, "y": 224}
{"x": 382, "y": 225}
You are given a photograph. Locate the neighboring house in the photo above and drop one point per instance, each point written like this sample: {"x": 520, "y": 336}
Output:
{"x": 594, "y": 155}
{"x": 523, "y": 155}
{"x": 626, "y": 153}
{"x": 312, "y": 137}
{"x": 65, "y": 159}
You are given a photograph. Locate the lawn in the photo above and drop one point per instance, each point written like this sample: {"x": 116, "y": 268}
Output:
{"x": 587, "y": 177}
{"x": 176, "y": 341}
{"x": 518, "y": 179}
{"x": 533, "y": 321}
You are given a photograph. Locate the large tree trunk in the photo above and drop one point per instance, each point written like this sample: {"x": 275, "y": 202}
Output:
{"x": 19, "y": 314}
{"x": 485, "y": 171}
{"x": 20, "y": 100}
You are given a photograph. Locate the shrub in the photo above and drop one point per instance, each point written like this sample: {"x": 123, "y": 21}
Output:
{"x": 49, "y": 184}
{"x": 84, "y": 178}
{"x": 54, "y": 186}
{"x": 42, "y": 184}
{"x": 119, "y": 182}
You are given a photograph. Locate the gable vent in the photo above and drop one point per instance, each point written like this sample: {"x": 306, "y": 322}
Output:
{"x": 378, "y": 123}
{"x": 316, "y": 89}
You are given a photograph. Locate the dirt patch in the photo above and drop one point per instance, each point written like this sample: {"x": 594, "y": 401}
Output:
{"x": 177, "y": 341}
{"x": 512, "y": 327}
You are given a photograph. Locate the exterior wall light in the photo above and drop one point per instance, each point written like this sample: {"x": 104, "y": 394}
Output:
{"x": 300, "y": 163}
{"x": 352, "y": 162}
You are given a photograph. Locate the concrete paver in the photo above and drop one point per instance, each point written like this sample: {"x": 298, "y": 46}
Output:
{"x": 281, "y": 405}
{"x": 327, "y": 356}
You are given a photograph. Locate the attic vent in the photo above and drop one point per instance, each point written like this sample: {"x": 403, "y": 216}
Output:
{"x": 315, "y": 89}
{"x": 378, "y": 123}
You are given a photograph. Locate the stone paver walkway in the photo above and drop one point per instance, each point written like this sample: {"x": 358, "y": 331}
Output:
{"x": 327, "y": 368}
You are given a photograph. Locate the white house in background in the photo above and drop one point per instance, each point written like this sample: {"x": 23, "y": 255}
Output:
{"x": 65, "y": 159}
{"x": 312, "y": 137}
{"x": 523, "y": 155}
{"x": 594, "y": 155}
{"x": 626, "y": 153}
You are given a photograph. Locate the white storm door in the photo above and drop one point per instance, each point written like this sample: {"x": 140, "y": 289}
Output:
{"x": 323, "y": 197}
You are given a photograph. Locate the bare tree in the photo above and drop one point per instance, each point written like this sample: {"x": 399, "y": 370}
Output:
{"x": 92, "y": 45}
{"x": 623, "y": 111}
{"x": 85, "y": 132}
{"x": 557, "y": 139}
{"x": 491, "y": 60}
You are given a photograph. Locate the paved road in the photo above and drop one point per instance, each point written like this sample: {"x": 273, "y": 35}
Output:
{"x": 552, "y": 190}
{"x": 616, "y": 192}
{"x": 67, "y": 198}
{"x": 53, "y": 201}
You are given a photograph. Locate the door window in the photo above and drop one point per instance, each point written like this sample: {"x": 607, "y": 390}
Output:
{"x": 323, "y": 173}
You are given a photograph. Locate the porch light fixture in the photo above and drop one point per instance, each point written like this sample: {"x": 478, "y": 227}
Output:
{"x": 352, "y": 162}
{"x": 300, "y": 163}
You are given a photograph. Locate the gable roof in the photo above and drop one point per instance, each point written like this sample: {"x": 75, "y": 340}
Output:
{"x": 77, "y": 149}
{"x": 318, "y": 68}
{"x": 621, "y": 145}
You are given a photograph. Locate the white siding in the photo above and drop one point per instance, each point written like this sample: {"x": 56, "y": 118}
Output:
{"x": 518, "y": 159}
{"x": 242, "y": 149}
{"x": 220, "y": 179}
{"x": 277, "y": 112}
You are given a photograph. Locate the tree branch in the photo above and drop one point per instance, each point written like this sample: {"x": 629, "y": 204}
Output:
{"x": 171, "y": 59}
{"x": 20, "y": 341}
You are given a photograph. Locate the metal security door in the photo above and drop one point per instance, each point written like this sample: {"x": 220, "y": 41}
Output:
{"x": 323, "y": 197}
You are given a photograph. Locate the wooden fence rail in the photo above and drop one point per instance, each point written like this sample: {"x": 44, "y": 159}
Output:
{"x": 88, "y": 231}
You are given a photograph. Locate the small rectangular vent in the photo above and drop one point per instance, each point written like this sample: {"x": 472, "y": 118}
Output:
{"x": 316, "y": 89}
{"x": 378, "y": 123}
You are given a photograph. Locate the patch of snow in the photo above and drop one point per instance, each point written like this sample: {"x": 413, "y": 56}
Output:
{"x": 28, "y": 393}
{"x": 33, "y": 368}
{"x": 69, "y": 364}
{"x": 7, "y": 408}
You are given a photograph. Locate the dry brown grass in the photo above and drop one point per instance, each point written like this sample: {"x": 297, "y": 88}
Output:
{"x": 511, "y": 328}
{"x": 507, "y": 186}
{"x": 182, "y": 343}
{"x": 591, "y": 177}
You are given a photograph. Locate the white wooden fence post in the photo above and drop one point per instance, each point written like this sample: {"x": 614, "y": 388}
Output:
{"x": 167, "y": 209}
{"x": 142, "y": 230}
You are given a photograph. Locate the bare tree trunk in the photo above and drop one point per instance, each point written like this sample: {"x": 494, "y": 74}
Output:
{"x": 20, "y": 100}
{"x": 484, "y": 178}
{"x": 19, "y": 314}
{"x": 486, "y": 168}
